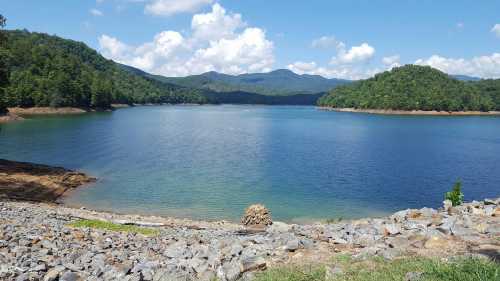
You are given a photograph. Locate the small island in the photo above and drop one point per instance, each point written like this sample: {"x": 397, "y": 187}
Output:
{"x": 416, "y": 90}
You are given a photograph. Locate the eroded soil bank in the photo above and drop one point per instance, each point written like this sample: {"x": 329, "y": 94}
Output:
{"x": 35, "y": 182}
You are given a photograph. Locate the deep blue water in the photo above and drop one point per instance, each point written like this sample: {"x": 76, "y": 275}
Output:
{"x": 211, "y": 162}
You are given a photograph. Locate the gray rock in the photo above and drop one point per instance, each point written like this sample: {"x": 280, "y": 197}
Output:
{"x": 292, "y": 245}
{"x": 70, "y": 276}
{"x": 413, "y": 276}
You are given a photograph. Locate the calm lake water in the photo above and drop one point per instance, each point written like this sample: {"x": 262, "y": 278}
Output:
{"x": 210, "y": 162}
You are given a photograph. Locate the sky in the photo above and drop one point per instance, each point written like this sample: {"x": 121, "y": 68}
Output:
{"x": 350, "y": 39}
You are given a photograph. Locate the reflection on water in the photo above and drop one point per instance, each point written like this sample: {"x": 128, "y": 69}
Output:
{"x": 212, "y": 161}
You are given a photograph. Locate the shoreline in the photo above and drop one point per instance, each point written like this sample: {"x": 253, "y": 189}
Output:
{"x": 9, "y": 118}
{"x": 412, "y": 112}
{"x": 65, "y": 241}
{"x": 183, "y": 249}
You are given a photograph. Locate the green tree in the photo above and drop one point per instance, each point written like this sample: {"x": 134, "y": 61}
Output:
{"x": 4, "y": 71}
{"x": 413, "y": 87}
{"x": 455, "y": 195}
{"x": 51, "y": 71}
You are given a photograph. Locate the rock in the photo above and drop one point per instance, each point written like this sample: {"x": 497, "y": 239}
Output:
{"x": 436, "y": 243}
{"x": 447, "y": 205}
{"x": 292, "y": 245}
{"x": 232, "y": 270}
{"x": 53, "y": 273}
{"x": 414, "y": 276}
{"x": 278, "y": 227}
{"x": 256, "y": 215}
{"x": 252, "y": 263}
{"x": 70, "y": 276}
{"x": 392, "y": 229}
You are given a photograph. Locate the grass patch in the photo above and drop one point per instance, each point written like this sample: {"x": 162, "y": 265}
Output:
{"x": 97, "y": 224}
{"x": 465, "y": 269}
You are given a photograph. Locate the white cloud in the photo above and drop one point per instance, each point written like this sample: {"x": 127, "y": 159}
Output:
{"x": 347, "y": 64}
{"x": 391, "y": 61}
{"x": 216, "y": 24}
{"x": 96, "y": 12}
{"x": 341, "y": 71}
{"x": 219, "y": 41}
{"x": 170, "y": 7}
{"x": 325, "y": 42}
{"x": 361, "y": 53}
{"x": 496, "y": 29}
{"x": 112, "y": 47}
{"x": 482, "y": 66}
{"x": 248, "y": 52}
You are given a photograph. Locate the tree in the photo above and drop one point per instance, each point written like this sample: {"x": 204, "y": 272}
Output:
{"x": 4, "y": 71}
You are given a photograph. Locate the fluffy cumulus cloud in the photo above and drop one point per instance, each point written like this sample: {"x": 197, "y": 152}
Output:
{"x": 391, "y": 61}
{"x": 347, "y": 63}
{"x": 216, "y": 24}
{"x": 481, "y": 66}
{"x": 96, "y": 12}
{"x": 170, "y": 7}
{"x": 325, "y": 42}
{"x": 496, "y": 29}
{"x": 219, "y": 41}
{"x": 355, "y": 54}
{"x": 339, "y": 71}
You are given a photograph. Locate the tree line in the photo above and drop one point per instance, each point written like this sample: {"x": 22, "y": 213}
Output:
{"x": 41, "y": 70}
{"x": 413, "y": 87}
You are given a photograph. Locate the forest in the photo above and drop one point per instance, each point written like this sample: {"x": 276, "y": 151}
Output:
{"x": 42, "y": 70}
{"x": 413, "y": 87}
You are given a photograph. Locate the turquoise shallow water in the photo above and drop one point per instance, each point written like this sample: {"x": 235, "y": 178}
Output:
{"x": 210, "y": 162}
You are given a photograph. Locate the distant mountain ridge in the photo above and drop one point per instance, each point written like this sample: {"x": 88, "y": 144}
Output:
{"x": 281, "y": 82}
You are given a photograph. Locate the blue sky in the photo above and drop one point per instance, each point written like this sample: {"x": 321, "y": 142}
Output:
{"x": 345, "y": 39}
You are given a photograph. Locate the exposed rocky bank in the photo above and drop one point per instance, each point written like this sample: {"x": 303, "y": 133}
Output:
{"x": 36, "y": 243}
{"x": 35, "y": 182}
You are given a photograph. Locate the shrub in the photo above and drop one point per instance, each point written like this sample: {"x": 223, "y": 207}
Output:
{"x": 455, "y": 195}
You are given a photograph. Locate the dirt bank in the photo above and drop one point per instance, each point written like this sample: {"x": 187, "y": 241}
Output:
{"x": 34, "y": 182}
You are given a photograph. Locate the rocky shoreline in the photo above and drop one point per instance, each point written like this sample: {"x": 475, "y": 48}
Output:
{"x": 413, "y": 112}
{"x": 37, "y": 242}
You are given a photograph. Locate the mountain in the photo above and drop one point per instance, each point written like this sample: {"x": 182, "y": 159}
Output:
{"x": 280, "y": 82}
{"x": 465, "y": 78}
{"x": 413, "y": 87}
{"x": 48, "y": 70}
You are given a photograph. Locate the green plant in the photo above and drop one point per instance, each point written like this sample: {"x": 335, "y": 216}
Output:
{"x": 97, "y": 224}
{"x": 455, "y": 195}
{"x": 379, "y": 269}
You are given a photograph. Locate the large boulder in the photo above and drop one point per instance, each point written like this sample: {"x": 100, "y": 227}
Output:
{"x": 257, "y": 215}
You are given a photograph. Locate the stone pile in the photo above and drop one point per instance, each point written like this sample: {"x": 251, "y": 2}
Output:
{"x": 36, "y": 243}
{"x": 257, "y": 215}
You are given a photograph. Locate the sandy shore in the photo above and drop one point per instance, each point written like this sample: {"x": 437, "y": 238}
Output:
{"x": 414, "y": 112}
{"x": 46, "y": 110}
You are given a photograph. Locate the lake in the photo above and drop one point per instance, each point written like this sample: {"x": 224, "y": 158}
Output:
{"x": 210, "y": 162}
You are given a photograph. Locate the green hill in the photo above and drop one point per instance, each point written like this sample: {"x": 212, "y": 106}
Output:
{"x": 280, "y": 82}
{"x": 413, "y": 87}
{"x": 47, "y": 70}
